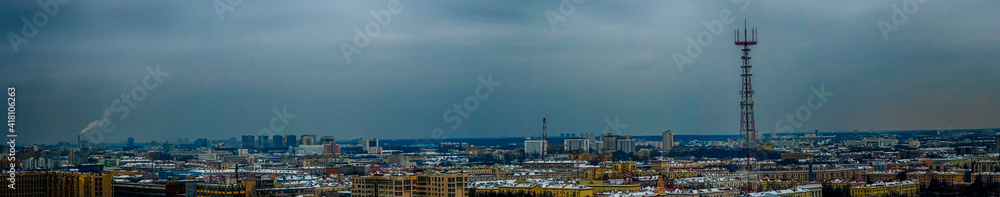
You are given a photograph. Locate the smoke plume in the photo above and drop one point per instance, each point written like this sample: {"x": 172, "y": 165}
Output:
{"x": 97, "y": 123}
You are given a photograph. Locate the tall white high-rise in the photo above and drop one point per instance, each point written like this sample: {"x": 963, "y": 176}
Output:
{"x": 668, "y": 141}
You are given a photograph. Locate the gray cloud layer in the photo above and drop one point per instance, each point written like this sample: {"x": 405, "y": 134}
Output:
{"x": 607, "y": 59}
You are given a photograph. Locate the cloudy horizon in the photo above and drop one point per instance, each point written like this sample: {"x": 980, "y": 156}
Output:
{"x": 214, "y": 69}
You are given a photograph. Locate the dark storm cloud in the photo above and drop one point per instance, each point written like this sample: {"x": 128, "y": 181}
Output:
{"x": 606, "y": 59}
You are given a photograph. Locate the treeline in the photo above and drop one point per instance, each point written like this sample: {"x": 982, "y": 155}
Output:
{"x": 934, "y": 188}
{"x": 977, "y": 188}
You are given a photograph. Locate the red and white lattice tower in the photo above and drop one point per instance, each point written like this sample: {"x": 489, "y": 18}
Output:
{"x": 747, "y": 126}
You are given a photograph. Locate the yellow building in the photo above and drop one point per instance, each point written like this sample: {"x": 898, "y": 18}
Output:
{"x": 796, "y": 155}
{"x": 811, "y": 190}
{"x": 433, "y": 184}
{"x": 904, "y": 188}
{"x": 558, "y": 190}
{"x": 673, "y": 174}
{"x": 986, "y": 176}
{"x": 614, "y": 171}
{"x": 838, "y": 184}
{"x": 383, "y": 186}
{"x": 884, "y": 176}
{"x": 714, "y": 192}
{"x": 221, "y": 190}
{"x": 59, "y": 184}
{"x": 926, "y": 177}
{"x": 683, "y": 164}
{"x": 602, "y": 186}
{"x": 549, "y": 164}
{"x": 480, "y": 171}
{"x": 707, "y": 182}
{"x": 788, "y": 193}
{"x": 521, "y": 175}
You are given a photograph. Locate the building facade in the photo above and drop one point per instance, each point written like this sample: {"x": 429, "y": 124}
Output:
{"x": 434, "y": 185}
{"x": 668, "y": 141}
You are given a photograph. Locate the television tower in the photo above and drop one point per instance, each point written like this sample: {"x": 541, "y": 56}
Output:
{"x": 747, "y": 125}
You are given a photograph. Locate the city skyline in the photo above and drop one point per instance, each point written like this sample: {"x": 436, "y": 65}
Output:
{"x": 566, "y": 98}
{"x": 605, "y": 67}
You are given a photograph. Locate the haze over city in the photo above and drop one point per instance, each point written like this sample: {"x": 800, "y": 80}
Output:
{"x": 567, "y": 98}
{"x": 224, "y": 73}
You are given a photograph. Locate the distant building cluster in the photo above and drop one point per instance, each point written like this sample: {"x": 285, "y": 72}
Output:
{"x": 863, "y": 164}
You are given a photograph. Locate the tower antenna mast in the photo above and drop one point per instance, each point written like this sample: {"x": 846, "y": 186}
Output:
{"x": 747, "y": 125}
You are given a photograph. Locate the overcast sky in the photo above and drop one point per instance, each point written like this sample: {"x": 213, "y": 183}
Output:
{"x": 230, "y": 69}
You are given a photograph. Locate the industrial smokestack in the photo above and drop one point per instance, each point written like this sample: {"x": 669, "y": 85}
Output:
{"x": 545, "y": 135}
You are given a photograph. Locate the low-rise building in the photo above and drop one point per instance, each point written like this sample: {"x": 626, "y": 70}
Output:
{"x": 713, "y": 192}
{"x": 903, "y": 188}
{"x": 434, "y": 184}
{"x": 532, "y": 187}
